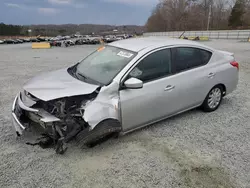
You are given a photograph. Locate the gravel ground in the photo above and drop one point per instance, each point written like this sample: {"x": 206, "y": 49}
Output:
{"x": 194, "y": 149}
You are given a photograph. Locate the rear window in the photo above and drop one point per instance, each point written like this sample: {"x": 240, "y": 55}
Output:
{"x": 188, "y": 58}
{"x": 206, "y": 56}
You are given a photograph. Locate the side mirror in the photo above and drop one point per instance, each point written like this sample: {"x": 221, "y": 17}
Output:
{"x": 133, "y": 83}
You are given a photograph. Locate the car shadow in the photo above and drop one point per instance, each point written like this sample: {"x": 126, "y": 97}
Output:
{"x": 168, "y": 122}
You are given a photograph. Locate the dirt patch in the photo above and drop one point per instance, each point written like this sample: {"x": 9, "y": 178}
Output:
{"x": 194, "y": 169}
{"x": 206, "y": 176}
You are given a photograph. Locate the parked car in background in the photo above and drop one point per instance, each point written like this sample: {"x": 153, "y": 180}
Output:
{"x": 40, "y": 39}
{"x": 10, "y": 41}
{"x": 109, "y": 38}
{"x": 139, "y": 82}
{"x": 94, "y": 40}
{"x": 119, "y": 38}
{"x": 55, "y": 43}
{"x": 123, "y": 36}
{"x": 80, "y": 41}
{"x": 34, "y": 40}
{"x": 68, "y": 43}
{"x": 26, "y": 40}
{"x": 1, "y": 42}
{"x": 67, "y": 37}
{"x": 19, "y": 41}
{"x": 16, "y": 41}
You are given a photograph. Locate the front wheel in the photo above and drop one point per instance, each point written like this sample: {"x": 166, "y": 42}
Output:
{"x": 213, "y": 99}
{"x": 102, "y": 132}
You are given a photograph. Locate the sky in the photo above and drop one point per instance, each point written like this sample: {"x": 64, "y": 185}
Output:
{"x": 113, "y": 12}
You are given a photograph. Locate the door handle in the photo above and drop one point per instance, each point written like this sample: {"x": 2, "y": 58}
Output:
{"x": 210, "y": 75}
{"x": 169, "y": 87}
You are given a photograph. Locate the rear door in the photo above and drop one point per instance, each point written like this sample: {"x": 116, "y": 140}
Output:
{"x": 193, "y": 77}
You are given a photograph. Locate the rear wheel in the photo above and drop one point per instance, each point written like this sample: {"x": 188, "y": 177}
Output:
{"x": 102, "y": 132}
{"x": 213, "y": 99}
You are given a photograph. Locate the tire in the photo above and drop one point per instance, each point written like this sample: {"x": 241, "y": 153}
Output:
{"x": 213, "y": 99}
{"x": 102, "y": 132}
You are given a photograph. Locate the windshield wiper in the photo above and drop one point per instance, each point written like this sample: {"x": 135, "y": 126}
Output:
{"x": 84, "y": 77}
{"x": 72, "y": 70}
{"x": 87, "y": 79}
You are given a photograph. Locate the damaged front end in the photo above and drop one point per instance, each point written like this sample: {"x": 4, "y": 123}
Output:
{"x": 61, "y": 119}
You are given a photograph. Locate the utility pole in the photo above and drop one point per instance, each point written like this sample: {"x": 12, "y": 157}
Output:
{"x": 209, "y": 17}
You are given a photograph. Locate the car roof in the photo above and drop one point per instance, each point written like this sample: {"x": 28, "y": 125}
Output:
{"x": 141, "y": 43}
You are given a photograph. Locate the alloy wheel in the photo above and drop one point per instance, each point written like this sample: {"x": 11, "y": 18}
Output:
{"x": 214, "y": 98}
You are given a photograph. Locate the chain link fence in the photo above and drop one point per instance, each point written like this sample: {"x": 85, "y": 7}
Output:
{"x": 219, "y": 34}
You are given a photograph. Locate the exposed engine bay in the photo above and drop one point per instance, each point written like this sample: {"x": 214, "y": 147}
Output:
{"x": 68, "y": 121}
{"x": 65, "y": 108}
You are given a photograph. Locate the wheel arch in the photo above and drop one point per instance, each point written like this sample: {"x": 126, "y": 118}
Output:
{"x": 101, "y": 132}
{"x": 205, "y": 106}
{"x": 112, "y": 120}
{"x": 223, "y": 88}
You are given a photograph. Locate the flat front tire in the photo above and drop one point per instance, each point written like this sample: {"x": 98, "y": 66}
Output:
{"x": 103, "y": 131}
{"x": 213, "y": 99}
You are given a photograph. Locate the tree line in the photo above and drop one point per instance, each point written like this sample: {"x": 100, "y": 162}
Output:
{"x": 65, "y": 29}
{"x": 181, "y": 15}
{"x": 10, "y": 29}
{"x": 168, "y": 15}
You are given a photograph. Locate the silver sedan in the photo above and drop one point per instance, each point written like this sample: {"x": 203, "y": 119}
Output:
{"x": 123, "y": 86}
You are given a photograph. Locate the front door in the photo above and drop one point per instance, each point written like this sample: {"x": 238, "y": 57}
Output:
{"x": 156, "y": 99}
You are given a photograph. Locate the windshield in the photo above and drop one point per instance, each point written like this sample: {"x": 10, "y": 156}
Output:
{"x": 104, "y": 64}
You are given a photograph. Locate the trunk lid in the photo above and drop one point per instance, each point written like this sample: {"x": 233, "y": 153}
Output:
{"x": 226, "y": 53}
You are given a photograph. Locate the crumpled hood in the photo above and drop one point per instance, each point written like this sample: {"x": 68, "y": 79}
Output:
{"x": 57, "y": 84}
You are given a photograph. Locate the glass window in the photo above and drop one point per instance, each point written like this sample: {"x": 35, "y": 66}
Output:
{"x": 154, "y": 66}
{"x": 187, "y": 58}
{"x": 104, "y": 64}
{"x": 206, "y": 56}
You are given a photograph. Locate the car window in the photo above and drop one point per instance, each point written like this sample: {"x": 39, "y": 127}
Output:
{"x": 205, "y": 55}
{"x": 187, "y": 58}
{"x": 154, "y": 66}
{"x": 104, "y": 64}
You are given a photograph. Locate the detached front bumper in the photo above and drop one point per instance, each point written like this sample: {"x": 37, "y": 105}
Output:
{"x": 26, "y": 111}
{"x": 19, "y": 127}
{"x": 20, "y": 111}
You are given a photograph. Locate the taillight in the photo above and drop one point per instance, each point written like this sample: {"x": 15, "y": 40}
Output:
{"x": 235, "y": 64}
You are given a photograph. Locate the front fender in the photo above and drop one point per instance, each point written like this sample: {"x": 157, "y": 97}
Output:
{"x": 98, "y": 111}
{"x": 105, "y": 106}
